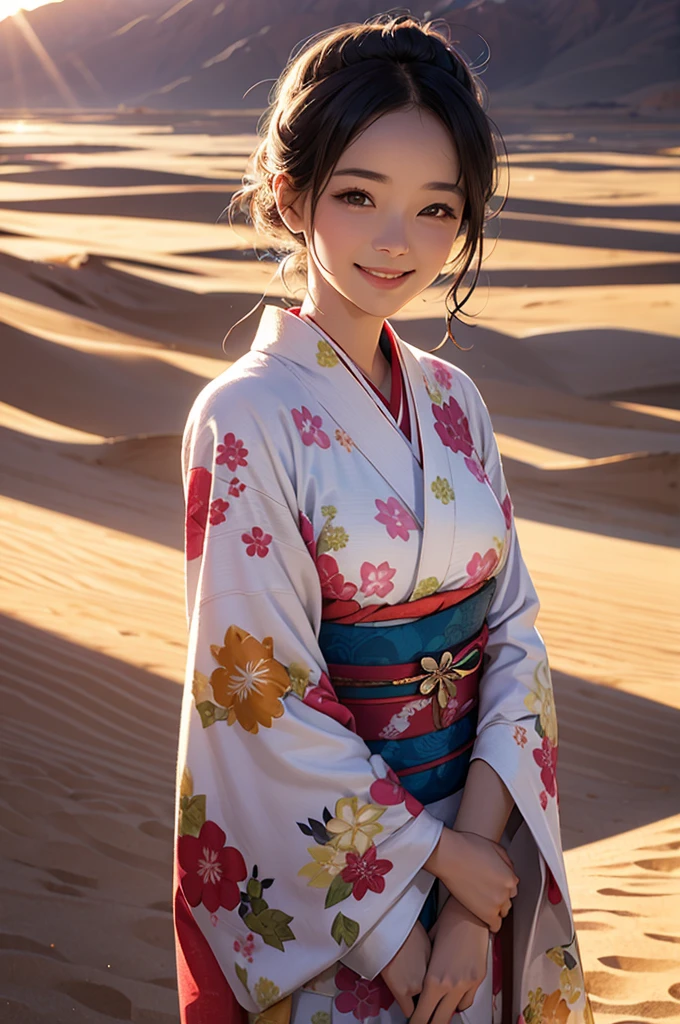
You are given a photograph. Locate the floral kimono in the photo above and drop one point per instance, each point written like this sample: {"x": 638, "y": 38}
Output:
{"x": 317, "y": 528}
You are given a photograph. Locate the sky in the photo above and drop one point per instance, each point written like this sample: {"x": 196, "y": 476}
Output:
{"x": 8, "y": 7}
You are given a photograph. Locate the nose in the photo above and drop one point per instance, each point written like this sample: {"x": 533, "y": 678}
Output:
{"x": 393, "y": 238}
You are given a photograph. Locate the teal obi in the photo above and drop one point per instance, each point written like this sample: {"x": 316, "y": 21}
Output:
{"x": 413, "y": 688}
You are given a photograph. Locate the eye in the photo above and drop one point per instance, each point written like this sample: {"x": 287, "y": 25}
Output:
{"x": 352, "y": 194}
{"x": 444, "y": 208}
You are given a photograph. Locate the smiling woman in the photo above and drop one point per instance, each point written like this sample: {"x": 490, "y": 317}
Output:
{"x": 9, "y": 7}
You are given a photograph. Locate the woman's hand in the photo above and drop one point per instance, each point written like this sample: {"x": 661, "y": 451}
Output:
{"x": 478, "y": 872}
{"x": 405, "y": 973}
{"x": 457, "y": 966}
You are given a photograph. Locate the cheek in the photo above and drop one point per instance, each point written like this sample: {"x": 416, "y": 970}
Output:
{"x": 336, "y": 234}
{"x": 434, "y": 243}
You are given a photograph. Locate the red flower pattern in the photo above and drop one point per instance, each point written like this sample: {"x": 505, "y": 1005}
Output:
{"x": 546, "y": 757}
{"x": 476, "y": 470}
{"x": 217, "y": 511}
{"x": 198, "y": 499}
{"x": 307, "y": 533}
{"x": 257, "y": 542}
{"x": 333, "y": 585}
{"x": 211, "y": 869}
{"x": 310, "y": 428}
{"x": 389, "y": 791}
{"x": 231, "y": 452}
{"x": 361, "y": 997}
{"x": 453, "y": 427}
{"x": 481, "y": 567}
{"x": 365, "y": 872}
{"x": 324, "y": 698}
{"x": 236, "y": 488}
{"x": 377, "y": 579}
{"x": 554, "y": 894}
{"x": 507, "y": 510}
{"x": 395, "y": 518}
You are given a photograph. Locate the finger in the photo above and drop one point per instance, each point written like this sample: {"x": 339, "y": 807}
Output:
{"x": 406, "y": 1004}
{"x": 495, "y": 924}
{"x": 425, "y": 1003}
{"x": 447, "y": 1007}
{"x": 468, "y": 998}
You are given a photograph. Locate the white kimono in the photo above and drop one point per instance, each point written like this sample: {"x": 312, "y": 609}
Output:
{"x": 300, "y": 488}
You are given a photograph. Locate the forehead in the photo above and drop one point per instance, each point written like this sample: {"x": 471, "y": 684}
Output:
{"x": 404, "y": 133}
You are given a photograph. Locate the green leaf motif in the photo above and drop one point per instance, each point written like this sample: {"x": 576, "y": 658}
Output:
{"x": 258, "y": 904}
{"x": 539, "y": 727}
{"x": 345, "y": 930}
{"x": 192, "y": 815}
{"x": 242, "y": 975}
{"x": 211, "y": 713}
{"x": 272, "y": 925}
{"x": 254, "y": 887}
{"x": 425, "y": 588}
{"x": 337, "y": 891}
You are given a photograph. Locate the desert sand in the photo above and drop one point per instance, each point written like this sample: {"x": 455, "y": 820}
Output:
{"x": 118, "y": 282}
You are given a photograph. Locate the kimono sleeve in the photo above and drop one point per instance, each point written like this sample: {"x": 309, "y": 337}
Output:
{"x": 517, "y": 724}
{"x": 284, "y": 857}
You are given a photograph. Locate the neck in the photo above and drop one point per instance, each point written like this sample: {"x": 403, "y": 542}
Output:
{"x": 357, "y": 332}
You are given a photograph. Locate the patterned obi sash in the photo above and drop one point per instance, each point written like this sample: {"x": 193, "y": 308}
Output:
{"x": 413, "y": 690}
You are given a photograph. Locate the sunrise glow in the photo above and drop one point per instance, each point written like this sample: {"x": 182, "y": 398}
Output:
{"x": 8, "y": 7}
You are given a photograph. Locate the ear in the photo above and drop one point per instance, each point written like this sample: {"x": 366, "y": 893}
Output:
{"x": 289, "y": 203}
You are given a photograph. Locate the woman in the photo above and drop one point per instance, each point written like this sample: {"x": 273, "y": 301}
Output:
{"x": 366, "y": 775}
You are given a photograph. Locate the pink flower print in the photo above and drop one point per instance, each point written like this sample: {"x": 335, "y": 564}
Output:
{"x": 397, "y": 520}
{"x": 546, "y": 758}
{"x": 365, "y": 872}
{"x": 376, "y": 579}
{"x": 442, "y": 375}
{"x": 198, "y": 498}
{"x": 389, "y": 791}
{"x": 452, "y": 427}
{"x": 333, "y": 585}
{"x": 236, "y": 488}
{"x": 553, "y": 889}
{"x": 310, "y": 428}
{"x": 324, "y": 698}
{"x": 361, "y": 997}
{"x": 481, "y": 567}
{"x": 476, "y": 469}
{"x": 507, "y": 510}
{"x": 448, "y": 713}
{"x": 231, "y": 452}
{"x": 217, "y": 511}
{"x": 245, "y": 947}
{"x": 307, "y": 532}
{"x": 257, "y": 542}
{"x": 210, "y": 869}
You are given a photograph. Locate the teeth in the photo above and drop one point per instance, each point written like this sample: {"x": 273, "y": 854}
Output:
{"x": 377, "y": 273}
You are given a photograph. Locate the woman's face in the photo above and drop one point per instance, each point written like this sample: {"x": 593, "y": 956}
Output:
{"x": 393, "y": 204}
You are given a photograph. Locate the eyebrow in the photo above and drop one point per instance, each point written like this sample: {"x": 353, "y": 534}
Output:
{"x": 431, "y": 186}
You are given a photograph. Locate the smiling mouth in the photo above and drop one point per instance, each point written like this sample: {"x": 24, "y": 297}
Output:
{"x": 386, "y": 276}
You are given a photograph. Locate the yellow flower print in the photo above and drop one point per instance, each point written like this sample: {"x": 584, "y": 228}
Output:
{"x": 277, "y": 1013}
{"x": 541, "y": 702}
{"x": 425, "y": 588}
{"x": 327, "y": 862}
{"x": 534, "y": 1008}
{"x": 442, "y": 490}
{"x": 556, "y": 954}
{"x": 321, "y": 1017}
{"x": 299, "y": 678}
{"x": 200, "y": 687}
{"x": 265, "y": 992}
{"x": 325, "y": 356}
{"x": 249, "y": 681}
{"x": 433, "y": 392}
{"x": 570, "y": 983}
{"x": 354, "y": 827}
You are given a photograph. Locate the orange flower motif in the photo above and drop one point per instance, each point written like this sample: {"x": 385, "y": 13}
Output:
{"x": 344, "y": 439}
{"x": 555, "y": 1010}
{"x": 250, "y": 682}
{"x": 520, "y": 735}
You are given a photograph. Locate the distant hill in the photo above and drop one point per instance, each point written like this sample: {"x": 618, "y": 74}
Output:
{"x": 207, "y": 53}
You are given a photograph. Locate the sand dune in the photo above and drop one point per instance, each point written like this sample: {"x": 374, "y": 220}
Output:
{"x": 116, "y": 291}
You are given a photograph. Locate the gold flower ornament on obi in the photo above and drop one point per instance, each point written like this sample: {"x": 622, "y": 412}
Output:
{"x": 440, "y": 679}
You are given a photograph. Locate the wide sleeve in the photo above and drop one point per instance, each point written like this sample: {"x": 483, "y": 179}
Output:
{"x": 517, "y": 723}
{"x": 284, "y": 857}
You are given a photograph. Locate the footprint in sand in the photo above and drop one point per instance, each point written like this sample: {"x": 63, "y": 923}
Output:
{"x": 636, "y": 964}
{"x": 100, "y": 998}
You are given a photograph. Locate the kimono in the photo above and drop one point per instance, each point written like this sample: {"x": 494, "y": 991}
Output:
{"x": 299, "y": 848}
